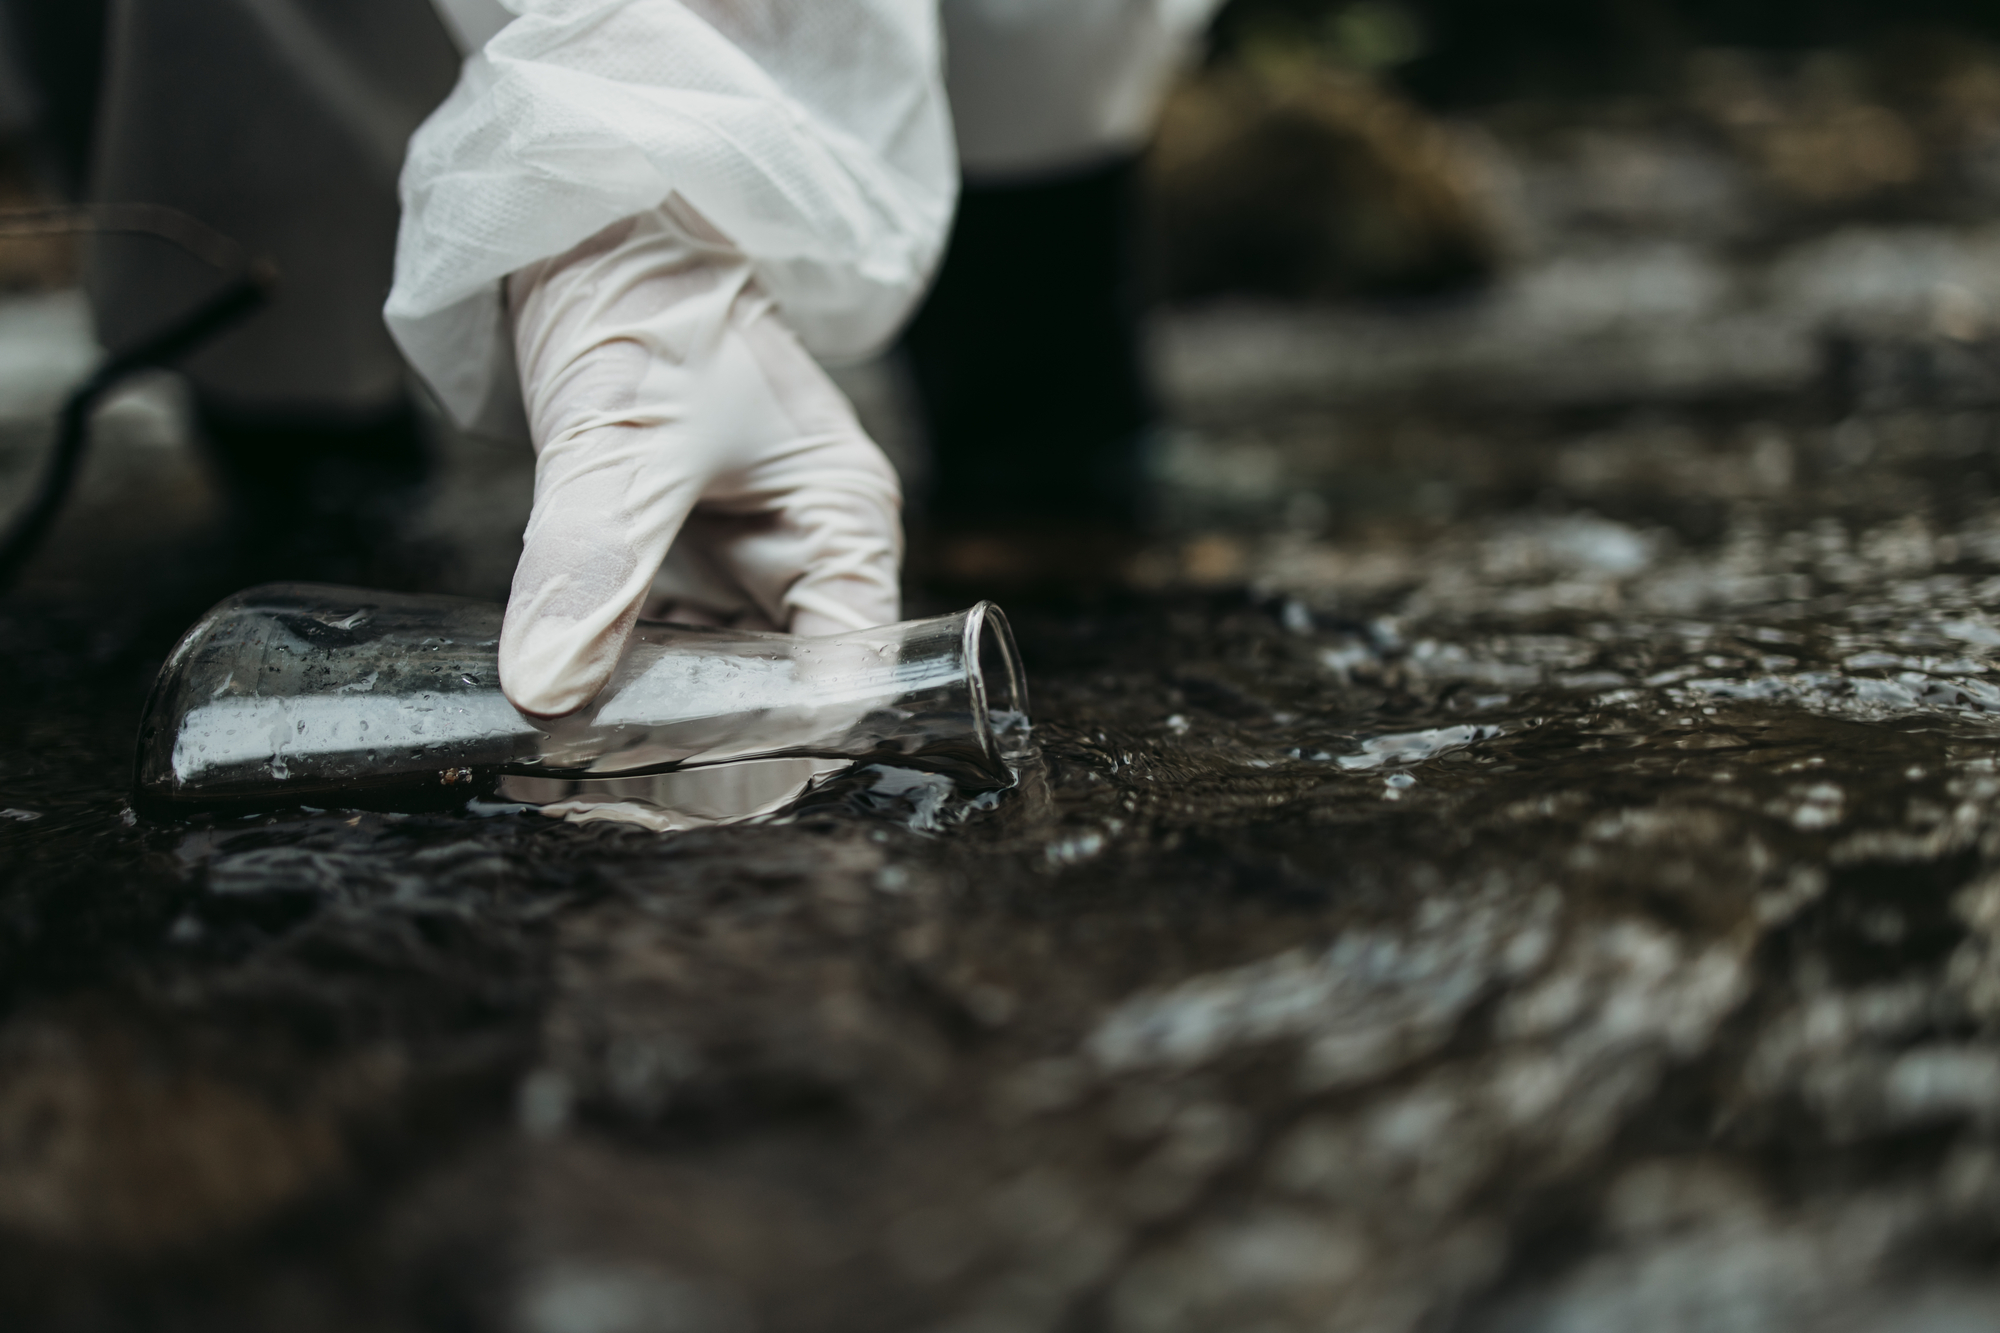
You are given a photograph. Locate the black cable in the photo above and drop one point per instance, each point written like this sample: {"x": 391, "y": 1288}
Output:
{"x": 250, "y": 286}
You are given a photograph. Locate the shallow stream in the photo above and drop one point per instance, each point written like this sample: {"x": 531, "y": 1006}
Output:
{"x": 1577, "y": 914}
{"x": 1520, "y": 852}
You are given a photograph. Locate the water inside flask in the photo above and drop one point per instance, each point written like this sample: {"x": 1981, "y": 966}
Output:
{"x": 306, "y": 693}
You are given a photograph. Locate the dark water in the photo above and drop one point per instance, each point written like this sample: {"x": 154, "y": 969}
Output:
{"x": 1521, "y": 854}
{"x": 1576, "y": 913}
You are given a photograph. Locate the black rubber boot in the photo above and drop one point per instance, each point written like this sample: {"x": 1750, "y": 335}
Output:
{"x": 1026, "y": 357}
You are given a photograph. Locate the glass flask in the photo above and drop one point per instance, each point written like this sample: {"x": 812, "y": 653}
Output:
{"x": 303, "y": 693}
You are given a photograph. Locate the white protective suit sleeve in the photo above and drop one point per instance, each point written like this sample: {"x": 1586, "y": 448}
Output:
{"x": 1043, "y": 87}
{"x": 812, "y": 133}
{"x": 663, "y": 390}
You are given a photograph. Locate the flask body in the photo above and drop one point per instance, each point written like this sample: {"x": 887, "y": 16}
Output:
{"x": 309, "y": 693}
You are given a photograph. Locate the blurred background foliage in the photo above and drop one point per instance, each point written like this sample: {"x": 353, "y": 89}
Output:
{"x": 1330, "y": 149}
{"x": 1457, "y": 53}
{"x": 1343, "y": 149}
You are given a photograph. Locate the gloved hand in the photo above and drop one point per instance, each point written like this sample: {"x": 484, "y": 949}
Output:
{"x": 676, "y": 419}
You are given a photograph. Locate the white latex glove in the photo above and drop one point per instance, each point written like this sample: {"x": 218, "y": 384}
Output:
{"x": 677, "y": 420}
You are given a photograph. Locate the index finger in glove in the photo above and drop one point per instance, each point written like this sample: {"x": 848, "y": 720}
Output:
{"x": 601, "y": 524}
{"x": 607, "y": 337}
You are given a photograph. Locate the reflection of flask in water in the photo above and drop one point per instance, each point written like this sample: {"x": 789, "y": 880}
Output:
{"x": 297, "y": 692}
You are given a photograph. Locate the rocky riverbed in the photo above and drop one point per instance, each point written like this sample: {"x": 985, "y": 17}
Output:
{"x": 1519, "y": 851}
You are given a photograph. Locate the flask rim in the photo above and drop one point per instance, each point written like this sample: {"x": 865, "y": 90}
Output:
{"x": 986, "y": 627}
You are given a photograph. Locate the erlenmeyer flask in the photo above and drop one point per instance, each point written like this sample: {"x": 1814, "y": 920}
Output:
{"x": 297, "y": 692}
